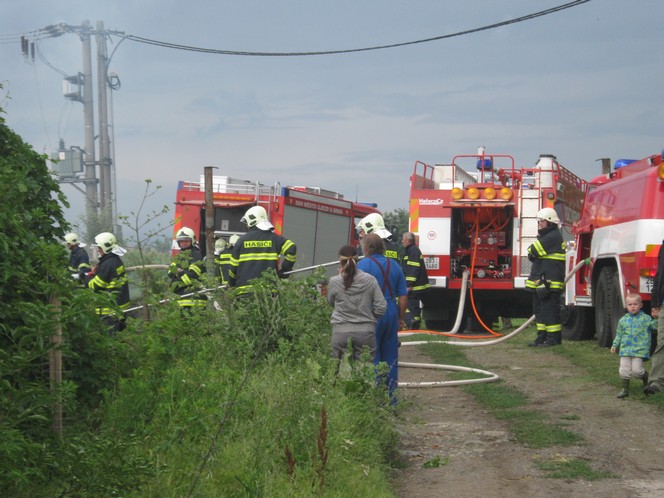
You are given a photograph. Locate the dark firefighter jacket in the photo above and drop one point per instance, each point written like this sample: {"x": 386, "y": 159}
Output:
{"x": 185, "y": 272}
{"x": 391, "y": 250}
{"x": 658, "y": 285}
{"x": 257, "y": 251}
{"x": 79, "y": 262}
{"x": 110, "y": 278}
{"x": 548, "y": 258}
{"x": 222, "y": 262}
{"x": 414, "y": 269}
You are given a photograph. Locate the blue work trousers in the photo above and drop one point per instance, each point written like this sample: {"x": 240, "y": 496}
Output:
{"x": 387, "y": 347}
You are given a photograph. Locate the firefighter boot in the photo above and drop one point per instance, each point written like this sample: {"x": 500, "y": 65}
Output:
{"x": 625, "y": 389}
{"x": 553, "y": 339}
{"x": 539, "y": 340}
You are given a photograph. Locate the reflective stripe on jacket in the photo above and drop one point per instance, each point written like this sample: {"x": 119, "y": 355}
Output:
{"x": 548, "y": 257}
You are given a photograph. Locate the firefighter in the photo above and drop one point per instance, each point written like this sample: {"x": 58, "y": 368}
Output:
{"x": 79, "y": 261}
{"x": 186, "y": 269}
{"x": 547, "y": 276}
{"x": 417, "y": 279}
{"x": 258, "y": 250}
{"x": 222, "y": 256}
{"x": 393, "y": 284}
{"x": 109, "y": 278}
{"x": 373, "y": 223}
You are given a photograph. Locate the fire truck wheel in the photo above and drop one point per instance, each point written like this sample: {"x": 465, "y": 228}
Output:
{"x": 578, "y": 322}
{"x": 608, "y": 306}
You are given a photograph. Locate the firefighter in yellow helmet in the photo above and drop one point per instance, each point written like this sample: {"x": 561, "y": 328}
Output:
{"x": 186, "y": 269}
{"x": 547, "y": 277}
{"x": 258, "y": 250}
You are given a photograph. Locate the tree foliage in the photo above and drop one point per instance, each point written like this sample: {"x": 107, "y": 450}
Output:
{"x": 396, "y": 222}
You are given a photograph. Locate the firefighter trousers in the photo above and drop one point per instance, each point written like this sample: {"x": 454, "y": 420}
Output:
{"x": 547, "y": 318}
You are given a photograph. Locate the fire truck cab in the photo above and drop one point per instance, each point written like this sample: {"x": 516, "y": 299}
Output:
{"x": 479, "y": 214}
{"x": 319, "y": 221}
{"x": 619, "y": 235}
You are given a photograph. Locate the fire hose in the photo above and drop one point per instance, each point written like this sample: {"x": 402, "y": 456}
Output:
{"x": 491, "y": 377}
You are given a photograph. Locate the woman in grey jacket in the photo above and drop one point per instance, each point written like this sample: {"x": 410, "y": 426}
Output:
{"x": 358, "y": 303}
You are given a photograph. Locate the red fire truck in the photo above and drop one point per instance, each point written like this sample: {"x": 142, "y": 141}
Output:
{"x": 319, "y": 221}
{"x": 478, "y": 213}
{"x": 619, "y": 234}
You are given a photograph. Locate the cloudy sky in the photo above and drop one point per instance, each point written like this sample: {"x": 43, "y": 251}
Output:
{"x": 583, "y": 83}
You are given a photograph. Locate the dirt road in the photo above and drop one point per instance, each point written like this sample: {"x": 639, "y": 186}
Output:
{"x": 480, "y": 458}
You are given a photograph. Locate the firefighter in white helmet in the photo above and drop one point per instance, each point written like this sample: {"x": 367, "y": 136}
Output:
{"x": 258, "y": 250}
{"x": 222, "y": 256}
{"x": 186, "y": 269}
{"x": 373, "y": 223}
{"x": 79, "y": 261}
{"x": 109, "y": 277}
{"x": 547, "y": 276}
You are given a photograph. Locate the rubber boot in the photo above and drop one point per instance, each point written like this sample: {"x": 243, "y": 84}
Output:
{"x": 539, "y": 340}
{"x": 625, "y": 389}
{"x": 552, "y": 339}
{"x": 644, "y": 378}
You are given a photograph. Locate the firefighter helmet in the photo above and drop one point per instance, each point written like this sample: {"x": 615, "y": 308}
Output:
{"x": 548, "y": 214}
{"x": 373, "y": 223}
{"x": 72, "y": 238}
{"x": 256, "y": 216}
{"x": 219, "y": 245}
{"x": 186, "y": 233}
{"x": 106, "y": 241}
{"x": 233, "y": 239}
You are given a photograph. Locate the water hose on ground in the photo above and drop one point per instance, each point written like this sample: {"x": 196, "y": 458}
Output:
{"x": 491, "y": 377}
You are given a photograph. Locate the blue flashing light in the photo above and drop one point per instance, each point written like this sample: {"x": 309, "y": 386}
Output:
{"x": 623, "y": 162}
{"x": 488, "y": 164}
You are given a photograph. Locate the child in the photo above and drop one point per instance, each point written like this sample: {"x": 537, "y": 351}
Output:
{"x": 633, "y": 341}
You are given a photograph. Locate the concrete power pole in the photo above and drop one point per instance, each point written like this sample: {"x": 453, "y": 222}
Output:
{"x": 90, "y": 178}
{"x": 105, "y": 160}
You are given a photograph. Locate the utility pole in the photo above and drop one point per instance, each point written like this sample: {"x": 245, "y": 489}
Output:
{"x": 90, "y": 178}
{"x": 100, "y": 209}
{"x": 105, "y": 161}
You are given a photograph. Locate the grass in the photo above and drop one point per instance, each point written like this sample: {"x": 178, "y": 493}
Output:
{"x": 532, "y": 428}
{"x": 572, "y": 468}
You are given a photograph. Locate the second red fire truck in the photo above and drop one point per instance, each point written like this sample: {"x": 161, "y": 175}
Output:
{"x": 479, "y": 214}
{"x": 319, "y": 221}
{"x": 619, "y": 234}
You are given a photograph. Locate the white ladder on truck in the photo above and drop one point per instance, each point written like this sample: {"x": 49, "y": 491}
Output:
{"x": 529, "y": 205}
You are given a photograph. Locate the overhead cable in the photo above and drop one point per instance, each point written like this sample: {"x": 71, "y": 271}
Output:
{"x": 189, "y": 48}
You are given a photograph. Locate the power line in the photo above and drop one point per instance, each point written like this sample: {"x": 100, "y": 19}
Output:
{"x": 189, "y": 48}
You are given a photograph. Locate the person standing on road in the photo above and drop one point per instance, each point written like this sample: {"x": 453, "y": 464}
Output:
{"x": 358, "y": 304}
{"x": 656, "y": 381}
{"x": 417, "y": 279}
{"x": 258, "y": 250}
{"x": 393, "y": 284}
{"x": 547, "y": 278}
{"x": 633, "y": 341}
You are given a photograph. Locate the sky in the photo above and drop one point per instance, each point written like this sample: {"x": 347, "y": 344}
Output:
{"x": 583, "y": 83}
